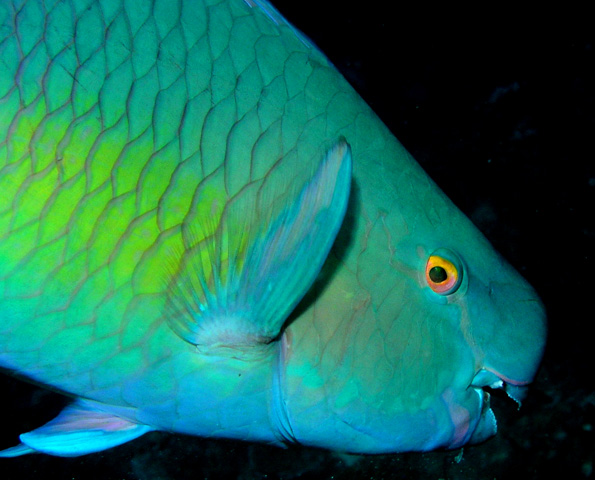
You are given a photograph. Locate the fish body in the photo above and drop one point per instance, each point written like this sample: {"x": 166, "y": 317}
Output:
{"x": 205, "y": 230}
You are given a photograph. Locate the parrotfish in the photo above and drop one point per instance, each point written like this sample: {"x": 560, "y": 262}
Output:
{"x": 205, "y": 230}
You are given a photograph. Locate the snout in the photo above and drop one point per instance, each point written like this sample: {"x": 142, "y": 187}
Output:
{"x": 509, "y": 331}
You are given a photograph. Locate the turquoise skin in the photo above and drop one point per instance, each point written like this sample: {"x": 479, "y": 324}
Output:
{"x": 151, "y": 161}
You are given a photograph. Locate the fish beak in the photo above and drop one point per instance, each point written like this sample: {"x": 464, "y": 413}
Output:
{"x": 484, "y": 381}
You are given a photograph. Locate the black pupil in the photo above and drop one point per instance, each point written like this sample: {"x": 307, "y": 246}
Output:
{"x": 438, "y": 274}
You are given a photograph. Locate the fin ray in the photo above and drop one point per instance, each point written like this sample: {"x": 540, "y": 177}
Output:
{"x": 244, "y": 281}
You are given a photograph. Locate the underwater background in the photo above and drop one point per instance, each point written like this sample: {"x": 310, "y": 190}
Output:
{"x": 498, "y": 108}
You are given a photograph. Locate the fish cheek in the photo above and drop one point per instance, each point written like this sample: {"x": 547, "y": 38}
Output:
{"x": 441, "y": 359}
{"x": 432, "y": 377}
{"x": 457, "y": 408}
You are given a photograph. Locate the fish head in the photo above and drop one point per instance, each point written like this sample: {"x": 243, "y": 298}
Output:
{"x": 419, "y": 321}
{"x": 496, "y": 322}
{"x": 465, "y": 322}
{"x": 480, "y": 327}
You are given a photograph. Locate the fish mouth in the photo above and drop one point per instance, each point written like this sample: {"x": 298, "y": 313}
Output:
{"x": 489, "y": 380}
{"x": 484, "y": 382}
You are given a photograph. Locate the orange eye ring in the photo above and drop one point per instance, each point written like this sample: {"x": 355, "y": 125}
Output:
{"x": 443, "y": 275}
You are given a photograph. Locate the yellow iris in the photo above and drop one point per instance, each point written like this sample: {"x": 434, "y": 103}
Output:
{"x": 443, "y": 276}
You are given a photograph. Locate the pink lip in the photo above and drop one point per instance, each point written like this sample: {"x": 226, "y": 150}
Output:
{"x": 510, "y": 381}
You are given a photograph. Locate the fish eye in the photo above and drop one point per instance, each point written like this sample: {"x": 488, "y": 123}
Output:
{"x": 444, "y": 272}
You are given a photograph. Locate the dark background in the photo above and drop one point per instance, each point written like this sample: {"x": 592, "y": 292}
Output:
{"x": 498, "y": 108}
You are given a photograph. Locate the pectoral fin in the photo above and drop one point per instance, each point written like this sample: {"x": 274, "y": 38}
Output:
{"x": 78, "y": 430}
{"x": 255, "y": 275}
